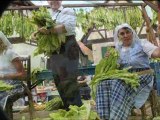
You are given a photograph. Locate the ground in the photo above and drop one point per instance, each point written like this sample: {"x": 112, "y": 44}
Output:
{"x": 45, "y": 114}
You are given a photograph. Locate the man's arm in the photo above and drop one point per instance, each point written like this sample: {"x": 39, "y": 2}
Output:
{"x": 57, "y": 30}
{"x": 68, "y": 25}
{"x": 156, "y": 53}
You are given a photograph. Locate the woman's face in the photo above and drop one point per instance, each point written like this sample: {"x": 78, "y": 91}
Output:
{"x": 2, "y": 46}
{"x": 55, "y": 4}
{"x": 126, "y": 36}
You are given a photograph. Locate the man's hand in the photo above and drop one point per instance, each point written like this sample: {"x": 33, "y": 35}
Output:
{"x": 44, "y": 31}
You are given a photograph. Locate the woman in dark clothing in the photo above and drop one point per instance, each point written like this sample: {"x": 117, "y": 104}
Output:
{"x": 84, "y": 88}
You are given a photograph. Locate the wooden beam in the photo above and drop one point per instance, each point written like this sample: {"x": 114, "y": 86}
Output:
{"x": 89, "y": 42}
{"x": 25, "y": 8}
{"x": 85, "y": 36}
{"x": 151, "y": 34}
{"x": 76, "y": 5}
{"x": 141, "y": 27}
{"x": 99, "y": 33}
{"x": 103, "y": 4}
{"x": 158, "y": 30}
{"x": 153, "y": 6}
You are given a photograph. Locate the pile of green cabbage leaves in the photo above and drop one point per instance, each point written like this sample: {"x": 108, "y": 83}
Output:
{"x": 76, "y": 113}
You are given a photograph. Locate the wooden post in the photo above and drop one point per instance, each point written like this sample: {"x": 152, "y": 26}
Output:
{"x": 30, "y": 100}
{"x": 150, "y": 32}
{"x": 141, "y": 28}
{"x": 143, "y": 112}
{"x": 158, "y": 30}
{"x": 124, "y": 13}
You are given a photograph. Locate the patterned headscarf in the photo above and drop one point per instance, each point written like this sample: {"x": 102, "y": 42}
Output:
{"x": 5, "y": 40}
{"x": 118, "y": 42}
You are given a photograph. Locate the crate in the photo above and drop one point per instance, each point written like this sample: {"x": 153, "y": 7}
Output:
{"x": 156, "y": 67}
{"x": 45, "y": 75}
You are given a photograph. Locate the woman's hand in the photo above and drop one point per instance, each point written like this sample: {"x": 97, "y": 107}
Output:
{"x": 33, "y": 35}
{"x": 107, "y": 54}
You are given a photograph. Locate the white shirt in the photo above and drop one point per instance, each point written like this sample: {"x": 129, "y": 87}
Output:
{"x": 67, "y": 17}
{"x": 6, "y": 58}
{"x": 148, "y": 47}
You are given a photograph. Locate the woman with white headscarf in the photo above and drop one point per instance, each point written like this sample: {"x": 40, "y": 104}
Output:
{"x": 11, "y": 69}
{"x": 115, "y": 99}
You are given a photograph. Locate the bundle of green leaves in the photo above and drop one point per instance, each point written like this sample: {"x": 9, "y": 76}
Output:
{"x": 76, "y": 113}
{"x": 4, "y": 86}
{"x": 46, "y": 43}
{"x": 108, "y": 69}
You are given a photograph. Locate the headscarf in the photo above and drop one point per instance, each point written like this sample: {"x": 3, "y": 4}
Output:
{"x": 118, "y": 42}
{"x": 5, "y": 40}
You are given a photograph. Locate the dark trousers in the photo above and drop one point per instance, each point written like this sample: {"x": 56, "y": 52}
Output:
{"x": 64, "y": 66}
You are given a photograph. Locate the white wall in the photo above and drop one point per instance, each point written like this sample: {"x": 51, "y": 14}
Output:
{"x": 97, "y": 53}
